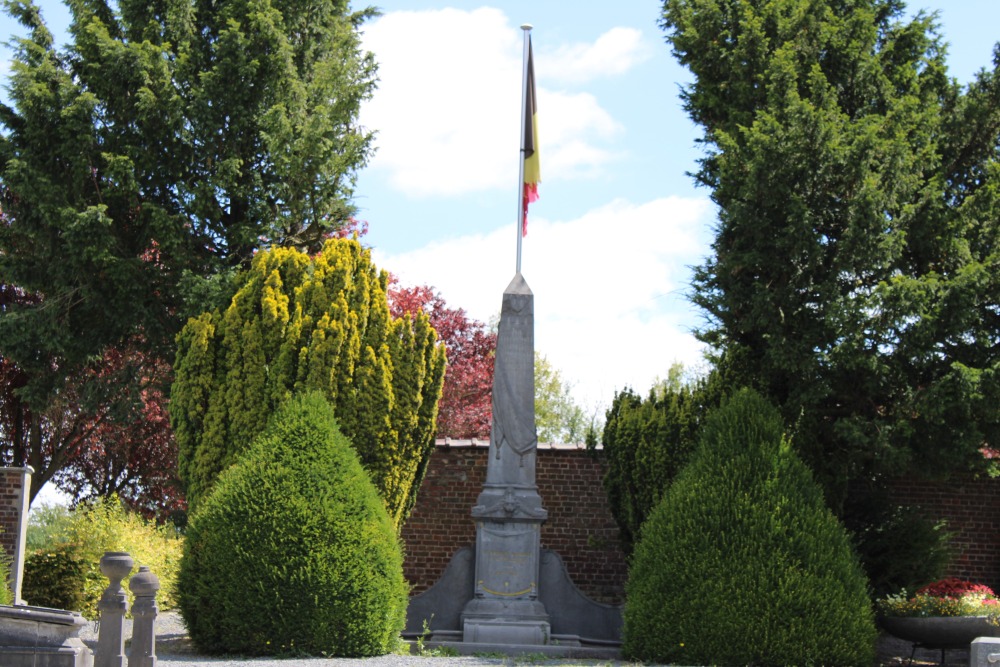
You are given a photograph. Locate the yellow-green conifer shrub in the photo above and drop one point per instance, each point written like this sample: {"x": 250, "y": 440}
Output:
{"x": 297, "y": 323}
{"x": 293, "y": 552}
{"x": 742, "y": 563}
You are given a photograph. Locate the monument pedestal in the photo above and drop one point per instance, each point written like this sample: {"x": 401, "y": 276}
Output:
{"x": 500, "y": 622}
{"x": 505, "y": 608}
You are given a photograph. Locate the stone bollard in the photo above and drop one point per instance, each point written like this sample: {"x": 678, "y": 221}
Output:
{"x": 144, "y": 585}
{"x": 115, "y": 565}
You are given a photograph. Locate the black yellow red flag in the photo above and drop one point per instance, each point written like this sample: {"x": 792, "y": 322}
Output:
{"x": 529, "y": 144}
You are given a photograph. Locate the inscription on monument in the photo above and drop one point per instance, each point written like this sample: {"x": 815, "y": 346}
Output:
{"x": 508, "y": 566}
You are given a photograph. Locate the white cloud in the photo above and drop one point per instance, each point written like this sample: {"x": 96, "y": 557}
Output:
{"x": 609, "y": 304}
{"x": 447, "y": 111}
{"x": 615, "y": 52}
{"x": 565, "y": 150}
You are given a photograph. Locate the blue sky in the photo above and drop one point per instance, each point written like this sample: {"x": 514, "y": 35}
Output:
{"x": 618, "y": 224}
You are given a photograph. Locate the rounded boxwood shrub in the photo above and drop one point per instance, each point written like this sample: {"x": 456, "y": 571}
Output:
{"x": 293, "y": 551}
{"x": 742, "y": 562}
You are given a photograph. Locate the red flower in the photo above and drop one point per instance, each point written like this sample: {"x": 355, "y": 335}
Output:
{"x": 953, "y": 587}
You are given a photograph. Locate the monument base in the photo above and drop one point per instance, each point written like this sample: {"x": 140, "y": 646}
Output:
{"x": 437, "y": 616}
{"x": 558, "y": 648}
{"x": 487, "y": 621}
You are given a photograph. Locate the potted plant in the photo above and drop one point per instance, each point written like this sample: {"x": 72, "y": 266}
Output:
{"x": 949, "y": 613}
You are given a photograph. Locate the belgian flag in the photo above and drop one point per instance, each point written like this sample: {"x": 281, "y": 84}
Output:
{"x": 529, "y": 144}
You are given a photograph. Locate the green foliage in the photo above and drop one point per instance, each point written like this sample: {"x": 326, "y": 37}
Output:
{"x": 303, "y": 322}
{"x": 558, "y": 418}
{"x": 56, "y": 578}
{"x": 742, "y": 563}
{"x": 853, "y": 279}
{"x": 6, "y": 596}
{"x": 147, "y": 159}
{"x": 48, "y": 525}
{"x": 293, "y": 551}
{"x": 902, "y": 547}
{"x": 646, "y": 442}
{"x": 68, "y": 539}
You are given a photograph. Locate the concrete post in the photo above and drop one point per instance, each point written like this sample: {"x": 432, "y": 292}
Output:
{"x": 17, "y": 565}
{"x": 984, "y": 652}
{"x": 115, "y": 565}
{"x": 144, "y": 585}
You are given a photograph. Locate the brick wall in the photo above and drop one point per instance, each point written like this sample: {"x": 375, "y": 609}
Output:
{"x": 10, "y": 509}
{"x": 579, "y": 528}
{"x": 971, "y": 507}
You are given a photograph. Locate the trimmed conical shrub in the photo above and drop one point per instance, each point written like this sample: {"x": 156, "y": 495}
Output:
{"x": 293, "y": 551}
{"x": 742, "y": 562}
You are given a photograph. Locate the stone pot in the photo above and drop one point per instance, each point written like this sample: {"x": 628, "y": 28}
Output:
{"x": 115, "y": 565}
{"x": 942, "y": 632}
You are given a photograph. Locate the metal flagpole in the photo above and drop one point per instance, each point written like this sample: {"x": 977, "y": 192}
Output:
{"x": 524, "y": 101}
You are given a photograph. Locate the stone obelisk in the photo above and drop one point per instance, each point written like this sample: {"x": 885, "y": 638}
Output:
{"x": 505, "y": 608}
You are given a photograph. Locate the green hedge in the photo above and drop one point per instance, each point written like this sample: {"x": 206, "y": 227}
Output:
{"x": 56, "y": 578}
{"x": 6, "y": 596}
{"x": 646, "y": 442}
{"x": 293, "y": 552}
{"x": 58, "y": 537}
{"x": 742, "y": 562}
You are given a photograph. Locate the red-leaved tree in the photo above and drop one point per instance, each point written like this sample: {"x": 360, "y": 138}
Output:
{"x": 465, "y": 407}
{"x": 104, "y": 432}
{"x": 130, "y": 452}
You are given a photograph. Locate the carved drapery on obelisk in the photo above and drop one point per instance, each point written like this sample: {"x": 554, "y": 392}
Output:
{"x": 513, "y": 439}
{"x": 510, "y": 489}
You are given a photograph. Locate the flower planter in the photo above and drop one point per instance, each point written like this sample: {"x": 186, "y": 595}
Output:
{"x": 942, "y": 632}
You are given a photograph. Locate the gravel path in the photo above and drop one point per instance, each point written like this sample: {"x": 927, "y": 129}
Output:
{"x": 174, "y": 649}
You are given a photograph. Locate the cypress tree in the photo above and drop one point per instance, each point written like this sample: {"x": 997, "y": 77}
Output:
{"x": 143, "y": 163}
{"x": 646, "y": 442}
{"x": 293, "y": 551}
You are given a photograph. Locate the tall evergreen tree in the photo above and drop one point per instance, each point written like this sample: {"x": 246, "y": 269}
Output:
{"x": 854, "y": 275}
{"x": 310, "y": 323}
{"x": 152, "y": 156}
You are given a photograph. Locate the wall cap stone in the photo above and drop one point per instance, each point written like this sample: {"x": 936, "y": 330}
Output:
{"x": 460, "y": 443}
